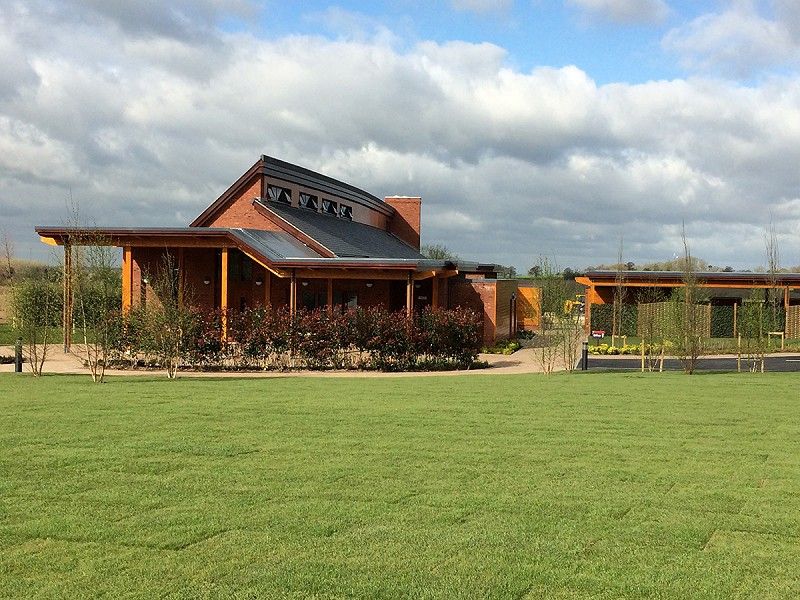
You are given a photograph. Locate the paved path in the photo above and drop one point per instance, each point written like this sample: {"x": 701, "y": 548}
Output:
{"x": 784, "y": 363}
{"x": 522, "y": 361}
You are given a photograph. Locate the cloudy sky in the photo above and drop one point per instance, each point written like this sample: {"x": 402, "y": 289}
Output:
{"x": 529, "y": 127}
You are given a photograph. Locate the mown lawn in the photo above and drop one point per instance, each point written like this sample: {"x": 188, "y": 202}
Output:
{"x": 598, "y": 485}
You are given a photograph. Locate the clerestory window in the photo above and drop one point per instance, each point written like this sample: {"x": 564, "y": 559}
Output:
{"x": 279, "y": 194}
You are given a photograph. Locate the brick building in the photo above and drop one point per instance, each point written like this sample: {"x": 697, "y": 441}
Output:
{"x": 286, "y": 236}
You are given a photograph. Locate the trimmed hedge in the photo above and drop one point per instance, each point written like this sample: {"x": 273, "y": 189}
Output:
{"x": 603, "y": 316}
{"x": 721, "y": 321}
{"x": 365, "y": 338}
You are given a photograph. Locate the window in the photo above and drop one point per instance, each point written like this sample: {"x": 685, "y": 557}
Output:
{"x": 240, "y": 267}
{"x": 346, "y": 212}
{"x": 308, "y": 201}
{"x": 279, "y": 194}
{"x": 329, "y": 207}
{"x": 345, "y": 299}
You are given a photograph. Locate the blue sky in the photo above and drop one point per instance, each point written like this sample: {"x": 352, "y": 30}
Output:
{"x": 534, "y": 33}
{"x": 530, "y": 127}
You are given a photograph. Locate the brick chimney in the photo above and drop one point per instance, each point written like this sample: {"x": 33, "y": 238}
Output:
{"x": 405, "y": 224}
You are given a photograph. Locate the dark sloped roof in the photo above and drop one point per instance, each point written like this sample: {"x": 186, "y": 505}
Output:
{"x": 343, "y": 238}
{"x": 275, "y": 244}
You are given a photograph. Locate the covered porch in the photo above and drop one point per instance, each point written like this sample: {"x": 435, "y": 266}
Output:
{"x": 229, "y": 269}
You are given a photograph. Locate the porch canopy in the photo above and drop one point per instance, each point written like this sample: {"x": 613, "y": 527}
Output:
{"x": 600, "y": 285}
{"x": 256, "y": 266}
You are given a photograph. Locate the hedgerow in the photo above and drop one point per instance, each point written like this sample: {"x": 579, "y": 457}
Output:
{"x": 264, "y": 338}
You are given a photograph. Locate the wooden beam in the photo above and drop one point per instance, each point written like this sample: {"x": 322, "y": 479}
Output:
{"x": 424, "y": 275}
{"x": 587, "y": 309}
{"x": 280, "y": 273}
{"x": 410, "y": 294}
{"x": 223, "y": 294}
{"x": 127, "y": 279}
{"x": 435, "y": 293}
{"x": 181, "y": 277}
{"x": 66, "y": 317}
{"x": 329, "y": 301}
{"x": 293, "y": 294}
{"x": 673, "y": 283}
{"x": 331, "y": 273}
{"x": 267, "y": 287}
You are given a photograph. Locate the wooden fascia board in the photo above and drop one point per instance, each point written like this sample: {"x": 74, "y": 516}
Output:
{"x": 678, "y": 283}
{"x": 424, "y": 275}
{"x": 341, "y": 273}
{"x": 237, "y": 186}
{"x": 292, "y": 230}
{"x": 257, "y": 257}
{"x": 51, "y": 241}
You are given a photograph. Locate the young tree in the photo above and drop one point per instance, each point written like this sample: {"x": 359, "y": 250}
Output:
{"x": 774, "y": 295}
{"x": 752, "y": 331}
{"x": 97, "y": 299}
{"x": 688, "y": 315}
{"x": 619, "y": 294}
{"x": 561, "y": 329}
{"x": 96, "y": 290}
{"x": 169, "y": 320}
{"x": 7, "y": 249}
{"x": 652, "y": 327}
{"x": 36, "y": 306}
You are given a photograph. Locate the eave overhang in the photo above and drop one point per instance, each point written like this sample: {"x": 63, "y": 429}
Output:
{"x": 206, "y": 237}
{"x": 676, "y": 279}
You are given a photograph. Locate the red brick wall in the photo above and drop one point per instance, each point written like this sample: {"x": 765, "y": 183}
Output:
{"x": 149, "y": 263}
{"x": 405, "y": 223}
{"x": 239, "y": 210}
{"x": 480, "y": 297}
{"x": 199, "y": 264}
{"x": 489, "y": 297}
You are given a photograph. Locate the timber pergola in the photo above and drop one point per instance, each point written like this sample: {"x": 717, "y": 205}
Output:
{"x": 266, "y": 249}
{"x": 600, "y": 285}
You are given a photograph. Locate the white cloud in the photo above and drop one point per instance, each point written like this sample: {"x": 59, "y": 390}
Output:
{"x": 511, "y": 164}
{"x": 626, "y": 12}
{"x": 738, "y": 42}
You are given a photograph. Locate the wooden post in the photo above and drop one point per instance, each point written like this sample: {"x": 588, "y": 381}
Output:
{"x": 641, "y": 350}
{"x": 410, "y": 295}
{"x": 181, "y": 278}
{"x": 223, "y": 293}
{"x": 735, "y": 324}
{"x": 329, "y": 300}
{"x": 66, "y": 317}
{"x": 785, "y": 303}
{"x": 587, "y": 309}
{"x": 267, "y": 287}
{"x": 738, "y": 353}
{"x": 293, "y": 293}
{"x": 434, "y": 293}
{"x": 127, "y": 279}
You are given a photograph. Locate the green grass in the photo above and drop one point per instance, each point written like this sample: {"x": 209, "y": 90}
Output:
{"x": 598, "y": 485}
{"x": 8, "y": 336}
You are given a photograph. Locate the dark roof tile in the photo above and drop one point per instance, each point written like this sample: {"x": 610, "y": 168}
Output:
{"x": 342, "y": 237}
